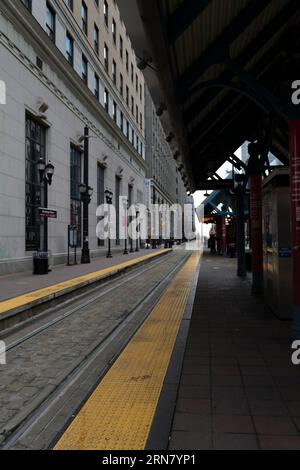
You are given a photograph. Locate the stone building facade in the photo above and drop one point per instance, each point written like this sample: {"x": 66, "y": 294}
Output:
{"x": 65, "y": 65}
{"x": 162, "y": 173}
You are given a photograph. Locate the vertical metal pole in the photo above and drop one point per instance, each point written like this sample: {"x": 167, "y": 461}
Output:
{"x": 85, "y": 256}
{"x": 126, "y": 230}
{"x": 223, "y": 234}
{"x": 137, "y": 232}
{"x": 131, "y": 240}
{"x": 256, "y": 233}
{"x": 68, "y": 263}
{"x": 240, "y": 231}
{"x": 45, "y": 218}
{"x": 294, "y": 146}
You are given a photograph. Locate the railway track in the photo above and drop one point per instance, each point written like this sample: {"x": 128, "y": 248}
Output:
{"x": 55, "y": 402}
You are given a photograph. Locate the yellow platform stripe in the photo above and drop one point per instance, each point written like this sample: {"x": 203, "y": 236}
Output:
{"x": 28, "y": 298}
{"x": 119, "y": 413}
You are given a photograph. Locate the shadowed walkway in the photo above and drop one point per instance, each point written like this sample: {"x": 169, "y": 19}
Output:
{"x": 239, "y": 389}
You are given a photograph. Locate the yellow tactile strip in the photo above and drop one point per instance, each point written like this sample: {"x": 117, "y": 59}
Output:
{"x": 119, "y": 413}
{"x": 51, "y": 291}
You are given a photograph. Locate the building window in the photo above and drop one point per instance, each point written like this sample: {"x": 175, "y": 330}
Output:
{"x": 127, "y": 61}
{"x": 84, "y": 18}
{"x": 136, "y": 83}
{"x": 75, "y": 180}
{"x": 105, "y": 12}
{"x": 106, "y": 100}
{"x": 84, "y": 69}
{"x": 106, "y": 57}
{"x": 127, "y": 130}
{"x": 96, "y": 86}
{"x": 50, "y": 22}
{"x": 127, "y": 95}
{"x": 141, "y": 92}
{"x": 114, "y": 31}
{"x": 100, "y": 192}
{"x": 132, "y": 105}
{"x": 96, "y": 39}
{"x": 121, "y": 84}
{"x": 137, "y": 114}
{"x": 39, "y": 63}
{"x": 115, "y": 111}
{"x": 35, "y": 148}
{"x": 70, "y": 4}
{"x": 114, "y": 72}
{"x": 132, "y": 73}
{"x": 141, "y": 121}
{"x": 121, "y": 47}
{"x": 27, "y": 4}
{"x": 121, "y": 121}
{"x": 70, "y": 49}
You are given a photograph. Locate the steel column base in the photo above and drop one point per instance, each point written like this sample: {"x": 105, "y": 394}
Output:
{"x": 257, "y": 283}
{"x": 296, "y": 323}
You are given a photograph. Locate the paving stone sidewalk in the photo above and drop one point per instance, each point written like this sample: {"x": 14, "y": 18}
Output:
{"x": 239, "y": 389}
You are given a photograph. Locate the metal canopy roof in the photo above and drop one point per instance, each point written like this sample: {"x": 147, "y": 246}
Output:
{"x": 223, "y": 68}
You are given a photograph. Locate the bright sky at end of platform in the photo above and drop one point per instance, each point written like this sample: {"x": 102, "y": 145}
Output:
{"x": 199, "y": 196}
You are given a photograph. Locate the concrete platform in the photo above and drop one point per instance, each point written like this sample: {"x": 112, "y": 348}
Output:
{"x": 119, "y": 413}
{"x": 238, "y": 388}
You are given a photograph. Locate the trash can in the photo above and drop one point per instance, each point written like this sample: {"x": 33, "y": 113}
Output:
{"x": 40, "y": 262}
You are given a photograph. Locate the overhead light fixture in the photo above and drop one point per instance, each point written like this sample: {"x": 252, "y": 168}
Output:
{"x": 144, "y": 61}
{"x": 170, "y": 137}
{"x": 160, "y": 110}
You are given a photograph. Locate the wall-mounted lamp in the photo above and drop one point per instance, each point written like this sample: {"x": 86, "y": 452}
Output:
{"x": 42, "y": 106}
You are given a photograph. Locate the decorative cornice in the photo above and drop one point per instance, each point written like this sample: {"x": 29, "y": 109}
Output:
{"x": 33, "y": 32}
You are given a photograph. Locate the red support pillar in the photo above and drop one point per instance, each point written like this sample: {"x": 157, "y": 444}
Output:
{"x": 223, "y": 233}
{"x": 256, "y": 233}
{"x": 294, "y": 145}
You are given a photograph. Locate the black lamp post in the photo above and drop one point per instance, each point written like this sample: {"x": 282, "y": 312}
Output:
{"x": 131, "y": 239}
{"x": 109, "y": 200}
{"x": 126, "y": 226}
{"x": 137, "y": 229}
{"x": 46, "y": 171}
{"x": 86, "y": 193}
